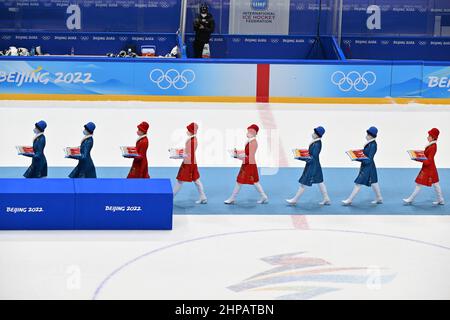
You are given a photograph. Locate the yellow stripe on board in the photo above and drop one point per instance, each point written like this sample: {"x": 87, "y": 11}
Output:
{"x": 316, "y": 100}
{"x": 388, "y": 100}
{"x": 114, "y": 97}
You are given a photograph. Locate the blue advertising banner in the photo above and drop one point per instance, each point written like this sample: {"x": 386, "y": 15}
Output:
{"x": 127, "y": 78}
{"x": 142, "y": 77}
{"x": 436, "y": 81}
{"x": 330, "y": 80}
{"x": 361, "y": 80}
{"x": 406, "y": 80}
{"x": 401, "y": 80}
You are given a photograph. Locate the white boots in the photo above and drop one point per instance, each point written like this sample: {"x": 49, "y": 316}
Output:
{"x": 326, "y": 199}
{"x": 203, "y": 199}
{"x": 199, "y": 185}
{"x": 440, "y": 196}
{"x": 376, "y": 189}
{"x": 413, "y": 195}
{"x": 355, "y": 191}
{"x": 323, "y": 189}
{"x": 297, "y": 196}
{"x": 232, "y": 199}
{"x": 437, "y": 188}
{"x": 378, "y": 197}
{"x": 264, "y": 198}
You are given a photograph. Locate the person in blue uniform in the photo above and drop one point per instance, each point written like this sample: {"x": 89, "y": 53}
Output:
{"x": 85, "y": 167}
{"x": 368, "y": 172}
{"x": 312, "y": 174}
{"x": 38, "y": 167}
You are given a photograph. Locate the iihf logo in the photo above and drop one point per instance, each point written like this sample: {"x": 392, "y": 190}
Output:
{"x": 259, "y": 4}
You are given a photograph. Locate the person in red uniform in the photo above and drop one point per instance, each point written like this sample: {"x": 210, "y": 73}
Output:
{"x": 428, "y": 176}
{"x": 248, "y": 174}
{"x": 188, "y": 170}
{"x": 139, "y": 169}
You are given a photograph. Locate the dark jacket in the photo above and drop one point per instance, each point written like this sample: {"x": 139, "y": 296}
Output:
{"x": 368, "y": 171}
{"x": 38, "y": 168}
{"x": 313, "y": 170}
{"x": 203, "y": 34}
{"x": 85, "y": 167}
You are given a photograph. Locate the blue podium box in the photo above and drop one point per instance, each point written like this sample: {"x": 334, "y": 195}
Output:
{"x": 123, "y": 204}
{"x": 36, "y": 204}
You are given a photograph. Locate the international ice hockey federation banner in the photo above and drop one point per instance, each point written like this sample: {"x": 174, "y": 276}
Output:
{"x": 259, "y": 17}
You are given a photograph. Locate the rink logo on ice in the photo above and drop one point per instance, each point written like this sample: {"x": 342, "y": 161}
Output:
{"x": 353, "y": 80}
{"x": 259, "y": 5}
{"x": 439, "y": 82}
{"x": 172, "y": 78}
{"x": 294, "y": 276}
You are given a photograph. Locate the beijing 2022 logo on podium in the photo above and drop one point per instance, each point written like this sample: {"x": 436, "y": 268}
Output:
{"x": 259, "y": 5}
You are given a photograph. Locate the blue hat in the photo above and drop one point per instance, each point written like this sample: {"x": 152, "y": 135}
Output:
{"x": 373, "y": 131}
{"x": 41, "y": 125}
{"x": 320, "y": 131}
{"x": 90, "y": 126}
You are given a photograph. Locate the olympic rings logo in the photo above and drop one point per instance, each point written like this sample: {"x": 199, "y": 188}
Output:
{"x": 172, "y": 78}
{"x": 353, "y": 80}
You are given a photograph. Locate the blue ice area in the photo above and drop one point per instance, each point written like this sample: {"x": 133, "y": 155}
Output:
{"x": 396, "y": 184}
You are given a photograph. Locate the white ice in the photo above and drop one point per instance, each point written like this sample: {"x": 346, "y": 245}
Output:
{"x": 204, "y": 255}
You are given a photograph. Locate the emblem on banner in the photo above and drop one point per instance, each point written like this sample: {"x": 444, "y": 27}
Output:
{"x": 259, "y": 5}
{"x": 172, "y": 78}
{"x": 353, "y": 80}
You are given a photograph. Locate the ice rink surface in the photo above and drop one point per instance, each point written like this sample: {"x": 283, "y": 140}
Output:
{"x": 212, "y": 255}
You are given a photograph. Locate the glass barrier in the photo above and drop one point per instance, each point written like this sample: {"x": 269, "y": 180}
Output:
{"x": 268, "y": 17}
{"x": 158, "y": 16}
{"x": 396, "y": 18}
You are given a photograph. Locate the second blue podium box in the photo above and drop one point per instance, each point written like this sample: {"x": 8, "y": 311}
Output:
{"x": 86, "y": 204}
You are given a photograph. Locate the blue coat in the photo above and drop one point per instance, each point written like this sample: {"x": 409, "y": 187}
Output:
{"x": 85, "y": 167}
{"x": 368, "y": 171}
{"x": 313, "y": 170}
{"x": 38, "y": 168}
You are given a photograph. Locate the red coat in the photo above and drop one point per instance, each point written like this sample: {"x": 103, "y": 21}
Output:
{"x": 249, "y": 170}
{"x": 428, "y": 175}
{"x": 139, "y": 169}
{"x": 188, "y": 170}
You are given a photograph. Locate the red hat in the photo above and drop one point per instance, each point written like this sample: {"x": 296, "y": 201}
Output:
{"x": 192, "y": 128}
{"x": 434, "y": 133}
{"x": 143, "y": 127}
{"x": 253, "y": 127}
